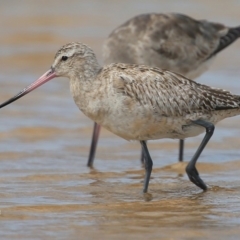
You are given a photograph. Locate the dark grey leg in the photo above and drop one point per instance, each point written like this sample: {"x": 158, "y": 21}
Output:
{"x": 180, "y": 156}
{"x": 181, "y": 149}
{"x": 142, "y": 155}
{"x": 148, "y": 166}
{"x": 95, "y": 135}
{"x": 191, "y": 169}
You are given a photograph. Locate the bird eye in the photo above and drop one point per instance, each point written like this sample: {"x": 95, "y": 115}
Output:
{"x": 64, "y": 58}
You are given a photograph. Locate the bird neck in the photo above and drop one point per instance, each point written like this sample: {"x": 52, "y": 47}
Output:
{"x": 83, "y": 86}
{"x": 90, "y": 68}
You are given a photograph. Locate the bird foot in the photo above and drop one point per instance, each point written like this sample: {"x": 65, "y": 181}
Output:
{"x": 195, "y": 178}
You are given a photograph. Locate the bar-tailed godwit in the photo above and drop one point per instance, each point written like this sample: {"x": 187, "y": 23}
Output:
{"x": 140, "y": 103}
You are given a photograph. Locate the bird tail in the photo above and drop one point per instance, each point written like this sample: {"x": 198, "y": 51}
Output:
{"x": 232, "y": 35}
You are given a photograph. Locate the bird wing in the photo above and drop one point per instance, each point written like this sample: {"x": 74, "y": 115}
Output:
{"x": 169, "y": 92}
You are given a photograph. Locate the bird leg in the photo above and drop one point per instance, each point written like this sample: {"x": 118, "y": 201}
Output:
{"x": 148, "y": 165}
{"x": 180, "y": 156}
{"x": 95, "y": 135}
{"x": 142, "y": 155}
{"x": 191, "y": 169}
{"x": 181, "y": 148}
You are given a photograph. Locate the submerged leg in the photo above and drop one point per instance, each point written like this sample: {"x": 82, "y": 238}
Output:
{"x": 95, "y": 135}
{"x": 181, "y": 150}
{"x": 191, "y": 169}
{"x": 148, "y": 166}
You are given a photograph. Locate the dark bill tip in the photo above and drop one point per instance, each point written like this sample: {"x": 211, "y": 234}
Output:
{"x": 50, "y": 74}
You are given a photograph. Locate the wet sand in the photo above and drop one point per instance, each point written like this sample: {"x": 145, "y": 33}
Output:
{"x": 46, "y": 190}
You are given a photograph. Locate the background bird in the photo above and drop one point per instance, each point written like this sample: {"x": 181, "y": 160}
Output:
{"x": 169, "y": 41}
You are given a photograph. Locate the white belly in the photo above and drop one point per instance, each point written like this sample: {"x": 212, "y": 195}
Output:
{"x": 140, "y": 128}
{"x": 145, "y": 126}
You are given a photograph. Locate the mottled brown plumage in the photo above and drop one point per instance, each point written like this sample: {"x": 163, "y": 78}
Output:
{"x": 139, "y": 102}
{"x": 162, "y": 88}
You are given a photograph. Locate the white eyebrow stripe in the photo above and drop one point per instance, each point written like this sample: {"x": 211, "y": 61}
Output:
{"x": 69, "y": 53}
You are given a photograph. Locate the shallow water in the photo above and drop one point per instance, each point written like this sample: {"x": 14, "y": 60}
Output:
{"x": 46, "y": 190}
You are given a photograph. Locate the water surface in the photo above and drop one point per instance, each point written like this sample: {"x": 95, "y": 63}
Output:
{"x": 46, "y": 190}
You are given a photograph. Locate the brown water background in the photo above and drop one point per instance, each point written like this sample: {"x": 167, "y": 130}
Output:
{"x": 46, "y": 190}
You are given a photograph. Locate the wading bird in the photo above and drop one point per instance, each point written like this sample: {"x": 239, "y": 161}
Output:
{"x": 140, "y": 103}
